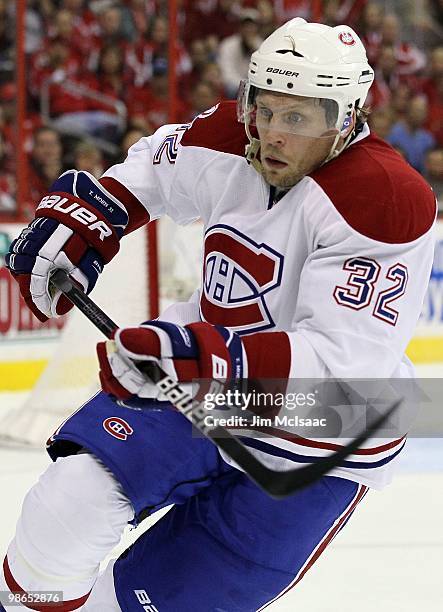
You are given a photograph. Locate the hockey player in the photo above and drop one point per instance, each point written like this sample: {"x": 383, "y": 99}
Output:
{"x": 317, "y": 253}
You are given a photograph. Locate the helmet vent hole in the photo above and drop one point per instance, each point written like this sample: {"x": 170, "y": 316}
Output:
{"x": 294, "y": 53}
{"x": 269, "y": 81}
{"x": 337, "y": 81}
{"x": 290, "y": 85}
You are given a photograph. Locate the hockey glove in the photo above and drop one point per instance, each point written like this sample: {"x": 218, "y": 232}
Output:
{"x": 77, "y": 228}
{"x": 197, "y": 351}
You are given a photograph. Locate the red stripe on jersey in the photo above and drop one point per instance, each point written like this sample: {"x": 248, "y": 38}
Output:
{"x": 240, "y": 316}
{"x": 285, "y": 435}
{"x": 219, "y": 131}
{"x": 63, "y": 606}
{"x": 138, "y": 215}
{"x": 330, "y": 535}
{"x": 378, "y": 193}
{"x": 269, "y": 355}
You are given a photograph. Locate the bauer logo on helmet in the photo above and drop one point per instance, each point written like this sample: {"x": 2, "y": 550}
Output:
{"x": 288, "y": 73}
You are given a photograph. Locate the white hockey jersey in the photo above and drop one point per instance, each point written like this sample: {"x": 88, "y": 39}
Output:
{"x": 341, "y": 262}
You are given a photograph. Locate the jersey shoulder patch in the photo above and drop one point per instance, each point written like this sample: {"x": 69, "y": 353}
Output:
{"x": 378, "y": 193}
{"x": 218, "y": 130}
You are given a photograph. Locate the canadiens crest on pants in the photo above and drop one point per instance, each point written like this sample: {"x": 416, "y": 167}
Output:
{"x": 118, "y": 428}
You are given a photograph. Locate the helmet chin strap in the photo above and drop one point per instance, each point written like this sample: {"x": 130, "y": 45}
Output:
{"x": 252, "y": 149}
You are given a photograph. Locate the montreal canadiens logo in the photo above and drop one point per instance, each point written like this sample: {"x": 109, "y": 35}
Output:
{"x": 118, "y": 428}
{"x": 239, "y": 275}
{"x": 347, "y": 38}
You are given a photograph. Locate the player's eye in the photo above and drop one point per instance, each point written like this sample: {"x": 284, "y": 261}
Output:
{"x": 264, "y": 113}
{"x": 293, "y": 119}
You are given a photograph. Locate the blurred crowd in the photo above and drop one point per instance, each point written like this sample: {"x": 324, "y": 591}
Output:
{"x": 97, "y": 75}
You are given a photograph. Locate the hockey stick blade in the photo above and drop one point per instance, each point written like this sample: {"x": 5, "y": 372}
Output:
{"x": 278, "y": 484}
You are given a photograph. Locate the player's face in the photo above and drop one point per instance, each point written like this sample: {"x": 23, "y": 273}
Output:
{"x": 287, "y": 156}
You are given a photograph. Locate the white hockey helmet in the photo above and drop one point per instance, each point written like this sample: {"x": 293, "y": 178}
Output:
{"x": 312, "y": 60}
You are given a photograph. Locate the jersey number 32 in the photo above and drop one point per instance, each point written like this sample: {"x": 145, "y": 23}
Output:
{"x": 360, "y": 287}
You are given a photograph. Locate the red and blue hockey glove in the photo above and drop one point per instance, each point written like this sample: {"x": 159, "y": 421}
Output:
{"x": 78, "y": 227}
{"x": 197, "y": 351}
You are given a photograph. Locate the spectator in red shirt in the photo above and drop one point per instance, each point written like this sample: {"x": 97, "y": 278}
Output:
{"x": 209, "y": 18}
{"x": 432, "y": 87}
{"x": 148, "y": 107}
{"x": 110, "y": 80}
{"x": 386, "y": 78}
{"x": 84, "y": 20}
{"x": 64, "y": 30}
{"x": 103, "y": 112}
{"x": 435, "y": 115}
{"x": 370, "y": 27}
{"x": 200, "y": 57}
{"x": 110, "y": 33}
{"x": 140, "y": 55}
{"x": 409, "y": 57}
{"x": 430, "y": 84}
{"x": 400, "y": 99}
{"x": 53, "y": 65}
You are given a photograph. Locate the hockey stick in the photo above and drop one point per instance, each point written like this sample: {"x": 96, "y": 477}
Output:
{"x": 277, "y": 484}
